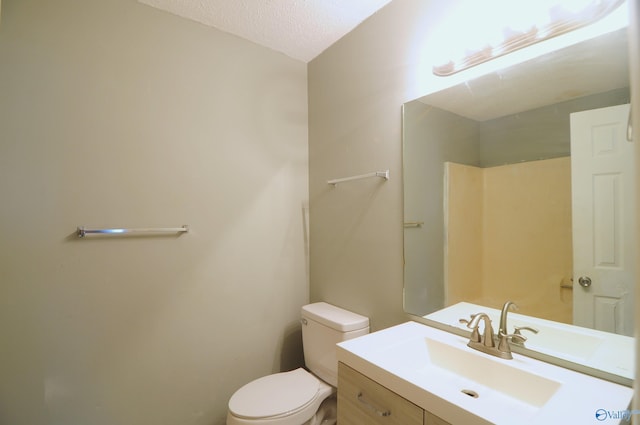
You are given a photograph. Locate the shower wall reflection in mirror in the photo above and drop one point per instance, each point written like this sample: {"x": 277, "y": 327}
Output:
{"x": 492, "y": 181}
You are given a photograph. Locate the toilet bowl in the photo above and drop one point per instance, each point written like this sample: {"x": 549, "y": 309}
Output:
{"x": 301, "y": 397}
{"x": 287, "y": 398}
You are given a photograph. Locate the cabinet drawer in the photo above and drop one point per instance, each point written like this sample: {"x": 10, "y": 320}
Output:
{"x": 364, "y": 401}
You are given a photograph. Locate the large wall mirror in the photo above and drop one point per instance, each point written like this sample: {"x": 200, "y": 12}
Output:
{"x": 490, "y": 191}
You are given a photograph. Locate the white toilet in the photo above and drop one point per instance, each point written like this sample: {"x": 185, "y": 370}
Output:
{"x": 295, "y": 397}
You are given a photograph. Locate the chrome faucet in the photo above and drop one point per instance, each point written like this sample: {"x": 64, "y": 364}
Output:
{"x": 517, "y": 329}
{"x": 503, "y": 317}
{"x": 487, "y": 343}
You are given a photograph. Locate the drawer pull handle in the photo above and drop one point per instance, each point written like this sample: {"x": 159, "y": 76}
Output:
{"x": 372, "y": 407}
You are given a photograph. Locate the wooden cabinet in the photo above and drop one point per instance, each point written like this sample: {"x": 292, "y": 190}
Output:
{"x": 431, "y": 419}
{"x": 364, "y": 401}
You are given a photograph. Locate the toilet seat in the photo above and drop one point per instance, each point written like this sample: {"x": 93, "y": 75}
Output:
{"x": 277, "y": 395}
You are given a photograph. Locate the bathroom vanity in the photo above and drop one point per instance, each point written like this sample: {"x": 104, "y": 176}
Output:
{"x": 363, "y": 400}
{"x": 416, "y": 374}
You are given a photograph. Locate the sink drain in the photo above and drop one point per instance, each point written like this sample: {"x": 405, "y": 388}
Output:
{"x": 470, "y": 393}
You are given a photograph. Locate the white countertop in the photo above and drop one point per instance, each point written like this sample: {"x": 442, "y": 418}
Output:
{"x": 400, "y": 359}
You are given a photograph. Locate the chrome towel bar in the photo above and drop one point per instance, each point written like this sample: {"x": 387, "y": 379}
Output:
{"x": 83, "y": 231}
{"x": 383, "y": 174}
{"x": 408, "y": 224}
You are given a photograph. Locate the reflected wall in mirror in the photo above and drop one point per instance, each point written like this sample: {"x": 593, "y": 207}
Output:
{"x": 465, "y": 147}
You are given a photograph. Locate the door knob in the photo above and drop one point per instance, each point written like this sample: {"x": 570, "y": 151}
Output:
{"x": 584, "y": 281}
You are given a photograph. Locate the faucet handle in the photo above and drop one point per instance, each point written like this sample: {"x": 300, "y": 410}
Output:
{"x": 475, "y": 334}
{"x": 503, "y": 345}
{"x": 524, "y": 328}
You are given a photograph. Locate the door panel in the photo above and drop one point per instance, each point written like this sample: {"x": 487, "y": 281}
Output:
{"x": 603, "y": 205}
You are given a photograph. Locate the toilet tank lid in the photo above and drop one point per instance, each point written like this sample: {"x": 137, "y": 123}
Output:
{"x": 334, "y": 317}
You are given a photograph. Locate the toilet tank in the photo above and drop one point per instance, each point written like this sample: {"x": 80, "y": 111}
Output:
{"x": 323, "y": 326}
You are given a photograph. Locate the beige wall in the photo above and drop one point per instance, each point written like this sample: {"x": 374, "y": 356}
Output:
{"x": 116, "y": 114}
{"x": 504, "y": 242}
{"x": 356, "y": 89}
{"x": 527, "y": 250}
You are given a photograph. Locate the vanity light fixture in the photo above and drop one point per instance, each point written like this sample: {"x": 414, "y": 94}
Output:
{"x": 515, "y": 25}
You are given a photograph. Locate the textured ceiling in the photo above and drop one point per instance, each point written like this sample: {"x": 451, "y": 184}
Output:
{"x": 301, "y": 29}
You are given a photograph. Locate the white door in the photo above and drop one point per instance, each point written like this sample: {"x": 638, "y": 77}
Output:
{"x": 602, "y": 180}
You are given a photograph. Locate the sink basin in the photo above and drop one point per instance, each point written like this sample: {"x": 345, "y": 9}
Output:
{"x": 438, "y": 372}
{"x": 482, "y": 372}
